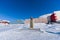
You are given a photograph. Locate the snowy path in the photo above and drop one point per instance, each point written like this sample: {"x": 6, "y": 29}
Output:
{"x": 8, "y": 27}
{"x": 15, "y": 33}
{"x": 27, "y": 35}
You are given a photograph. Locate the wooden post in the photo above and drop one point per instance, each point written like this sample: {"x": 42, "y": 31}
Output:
{"x": 31, "y": 22}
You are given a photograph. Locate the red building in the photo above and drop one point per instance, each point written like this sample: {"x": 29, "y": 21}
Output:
{"x": 53, "y": 18}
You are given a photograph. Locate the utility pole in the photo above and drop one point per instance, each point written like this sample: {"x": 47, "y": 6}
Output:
{"x": 31, "y": 22}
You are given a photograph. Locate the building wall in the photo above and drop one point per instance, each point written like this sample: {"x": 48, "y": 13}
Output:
{"x": 37, "y": 20}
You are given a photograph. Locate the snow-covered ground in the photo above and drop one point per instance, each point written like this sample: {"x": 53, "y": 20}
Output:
{"x": 22, "y": 32}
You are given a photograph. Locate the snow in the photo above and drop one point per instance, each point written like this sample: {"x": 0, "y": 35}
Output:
{"x": 55, "y": 28}
{"x": 22, "y": 32}
{"x": 57, "y": 14}
{"x": 25, "y": 35}
{"x": 46, "y": 15}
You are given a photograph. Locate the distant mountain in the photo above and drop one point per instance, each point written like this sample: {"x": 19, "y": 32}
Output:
{"x": 17, "y": 22}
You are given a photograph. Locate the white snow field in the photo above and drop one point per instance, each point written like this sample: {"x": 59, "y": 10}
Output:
{"x": 21, "y": 32}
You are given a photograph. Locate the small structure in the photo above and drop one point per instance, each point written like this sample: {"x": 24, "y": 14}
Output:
{"x": 53, "y": 18}
{"x": 31, "y": 22}
{"x": 4, "y": 22}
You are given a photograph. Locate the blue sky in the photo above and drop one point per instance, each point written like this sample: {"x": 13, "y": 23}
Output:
{"x": 23, "y": 9}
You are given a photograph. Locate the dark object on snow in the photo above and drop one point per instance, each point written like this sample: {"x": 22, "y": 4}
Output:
{"x": 31, "y": 22}
{"x": 49, "y": 20}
